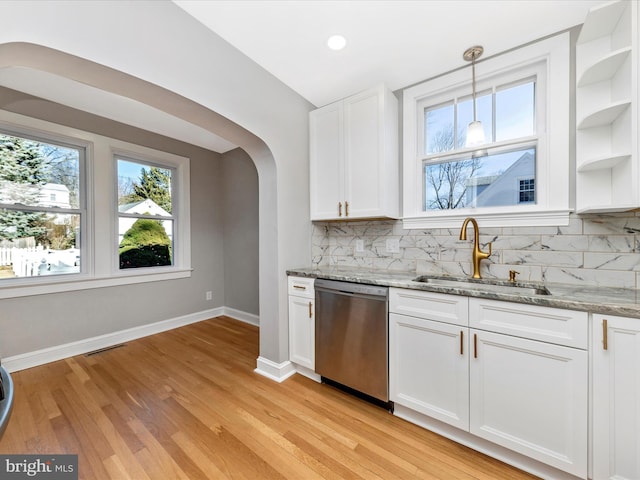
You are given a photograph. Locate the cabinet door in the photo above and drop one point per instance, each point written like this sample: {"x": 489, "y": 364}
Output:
{"x": 530, "y": 397}
{"x": 302, "y": 331}
{"x": 364, "y": 140}
{"x": 616, "y": 397}
{"x": 429, "y": 368}
{"x": 326, "y": 162}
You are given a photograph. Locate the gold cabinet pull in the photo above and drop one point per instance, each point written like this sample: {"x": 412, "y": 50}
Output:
{"x": 299, "y": 287}
{"x": 346, "y": 209}
{"x": 310, "y": 310}
{"x": 605, "y": 335}
{"x": 461, "y": 342}
{"x": 475, "y": 345}
{"x": 339, "y": 209}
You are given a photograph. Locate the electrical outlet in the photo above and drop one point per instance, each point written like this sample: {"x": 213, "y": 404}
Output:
{"x": 359, "y": 245}
{"x": 209, "y": 295}
{"x": 393, "y": 245}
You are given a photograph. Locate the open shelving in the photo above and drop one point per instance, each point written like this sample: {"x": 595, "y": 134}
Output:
{"x": 607, "y": 177}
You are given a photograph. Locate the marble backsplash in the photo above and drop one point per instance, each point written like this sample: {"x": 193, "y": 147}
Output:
{"x": 595, "y": 250}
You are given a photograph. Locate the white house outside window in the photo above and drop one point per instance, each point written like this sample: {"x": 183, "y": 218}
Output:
{"x": 41, "y": 207}
{"x": 523, "y": 105}
{"x": 64, "y": 222}
{"x": 145, "y": 214}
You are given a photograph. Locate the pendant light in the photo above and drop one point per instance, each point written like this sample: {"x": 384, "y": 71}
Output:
{"x": 475, "y": 131}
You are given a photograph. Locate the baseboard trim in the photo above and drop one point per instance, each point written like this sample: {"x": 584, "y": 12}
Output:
{"x": 249, "y": 318}
{"x": 59, "y": 352}
{"x": 278, "y": 372}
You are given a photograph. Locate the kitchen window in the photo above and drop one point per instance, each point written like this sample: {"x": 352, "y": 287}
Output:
{"x": 522, "y": 104}
{"x": 67, "y": 222}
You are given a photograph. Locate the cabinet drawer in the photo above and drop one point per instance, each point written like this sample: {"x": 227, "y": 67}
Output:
{"x": 553, "y": 325}
{"x": 432, "y": 306}
{"x": 301, "y": 286}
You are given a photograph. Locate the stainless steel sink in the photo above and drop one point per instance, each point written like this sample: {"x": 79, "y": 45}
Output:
{"x": 498, "y": 286}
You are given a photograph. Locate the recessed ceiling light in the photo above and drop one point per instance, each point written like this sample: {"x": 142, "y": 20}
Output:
{"x": 336, "y": 42}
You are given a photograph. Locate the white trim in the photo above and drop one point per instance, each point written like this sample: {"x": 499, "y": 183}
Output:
{"x": 245, "y": 317}
{"x": 278, "y": 372}
{"x": 307, "y": 372}
{"x": 509, "y": 219}
{"x": 59, "y": 352}
{"x": 73, "y": 282}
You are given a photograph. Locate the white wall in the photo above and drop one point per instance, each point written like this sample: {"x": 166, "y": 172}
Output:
{"x": 157, "y": 54}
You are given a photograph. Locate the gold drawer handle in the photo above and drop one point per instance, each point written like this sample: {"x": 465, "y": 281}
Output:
{"x": 605, "y": 335}
{"x": 310, "y": 310}
{"x": 299, "y": 287}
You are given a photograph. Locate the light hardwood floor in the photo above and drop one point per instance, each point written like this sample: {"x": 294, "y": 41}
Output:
{"x": 186, "y": 404}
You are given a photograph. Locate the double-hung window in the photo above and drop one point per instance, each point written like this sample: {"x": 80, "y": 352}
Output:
{"x": 42, "y": 206}
{"x": 519, "y": 175}
{"x": 145, "y": 214}
{"x": 79, "y": 210}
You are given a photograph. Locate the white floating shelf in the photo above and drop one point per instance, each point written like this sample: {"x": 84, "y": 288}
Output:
{"x": 604, "y": 116}
{"x": 605, "y": 68}
{"x": 603, "y": 162}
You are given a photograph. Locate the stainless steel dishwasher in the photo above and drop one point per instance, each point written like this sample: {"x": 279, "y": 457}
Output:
{"x": 352, "y": 337}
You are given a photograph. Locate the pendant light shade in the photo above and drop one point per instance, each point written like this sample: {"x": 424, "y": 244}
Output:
{"x": 475, "y": 134}
{"x": 475, "y": 131}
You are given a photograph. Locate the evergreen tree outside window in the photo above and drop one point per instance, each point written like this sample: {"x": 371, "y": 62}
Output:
{"x": 145, "y": 214}
{"x": 41, "y": 207}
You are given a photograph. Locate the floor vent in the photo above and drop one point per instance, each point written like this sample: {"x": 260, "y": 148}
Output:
{"x": 106, "y": 349}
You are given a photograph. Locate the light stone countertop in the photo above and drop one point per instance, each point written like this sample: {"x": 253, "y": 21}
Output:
{"x": 603, "y": 300}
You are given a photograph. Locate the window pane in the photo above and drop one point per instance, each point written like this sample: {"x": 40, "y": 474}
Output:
{"x": 38, "y": 174}
{"x": 490, "y": 181}
{"x": 144, "y": 191}
{"x": 515, "y": 108}
{"x": 146, "y": 243}
{"x": 439, "y": 133}
{"x": 34, "y": 243}
{"x": 483, "y": 114}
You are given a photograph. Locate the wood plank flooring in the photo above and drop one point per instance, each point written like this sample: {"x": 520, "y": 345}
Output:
{"x": 186, "y": 404}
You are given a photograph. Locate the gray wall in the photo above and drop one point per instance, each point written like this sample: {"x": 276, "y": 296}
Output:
{"x": 32, "y": 323}
{"x": 240, "y": 214}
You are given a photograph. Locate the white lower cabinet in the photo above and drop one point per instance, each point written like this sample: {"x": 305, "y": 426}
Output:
{"x": 302, "y": 322}
{"x": 442, "y": 392}
{"x": 616, "y": 397}
{"x": 528, "y": 395}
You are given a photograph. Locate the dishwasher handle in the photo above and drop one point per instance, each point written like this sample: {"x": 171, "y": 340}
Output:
{"x": 349, "y": 288}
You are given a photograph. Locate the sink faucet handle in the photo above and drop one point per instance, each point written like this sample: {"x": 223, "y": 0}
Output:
{"x": 512, "y": 275}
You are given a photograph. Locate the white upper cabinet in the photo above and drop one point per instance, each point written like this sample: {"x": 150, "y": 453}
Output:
{"x": 607, "y": 177}
{"x": 354, "y": 158}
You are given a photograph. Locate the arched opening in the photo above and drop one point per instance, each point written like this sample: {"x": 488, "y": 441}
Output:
{"x": 81, "y": 71}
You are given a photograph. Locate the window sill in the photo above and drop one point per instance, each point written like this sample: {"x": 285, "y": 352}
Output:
{"x": 544, "y": 218}
{"x": 77, "y": 282}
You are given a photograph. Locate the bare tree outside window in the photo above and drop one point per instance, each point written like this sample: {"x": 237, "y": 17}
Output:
{"x": 446, "y": 183}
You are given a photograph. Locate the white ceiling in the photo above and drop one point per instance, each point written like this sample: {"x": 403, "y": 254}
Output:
{"x": 397, "y": 42}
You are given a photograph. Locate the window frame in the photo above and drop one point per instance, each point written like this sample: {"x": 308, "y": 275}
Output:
{"x": 549, "y": 61}
{"x": 176, "y": 165}
{"x": 99, "y": 247}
